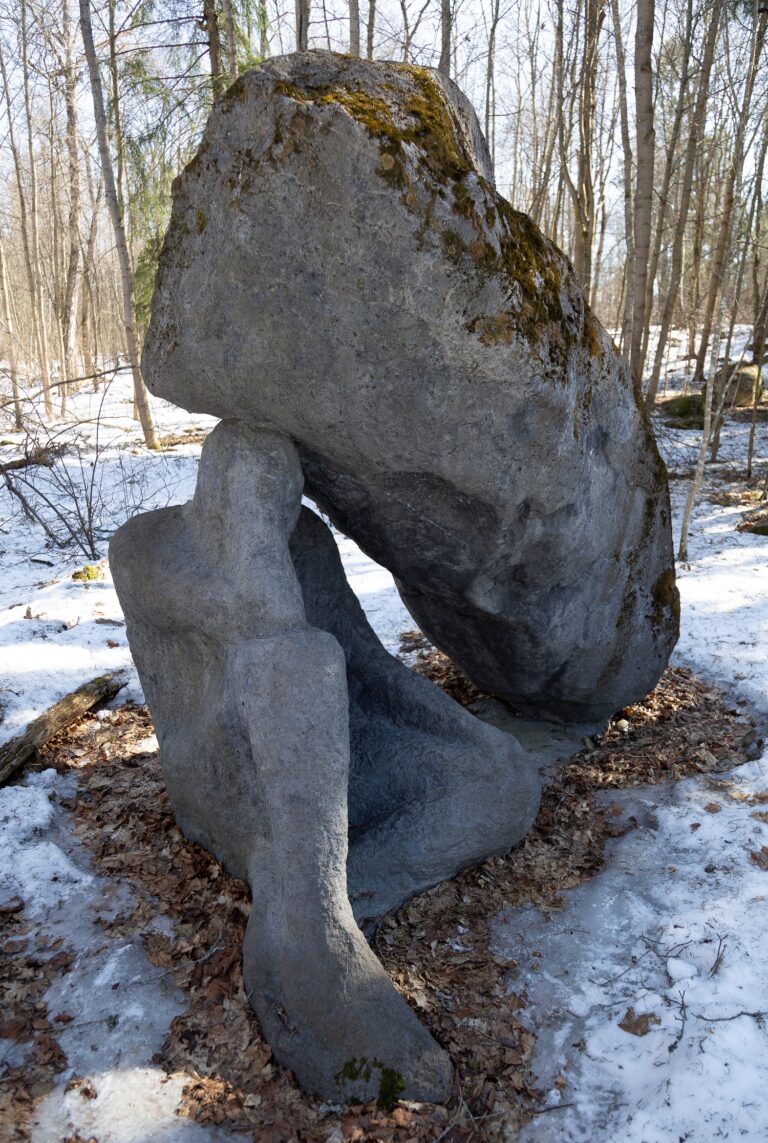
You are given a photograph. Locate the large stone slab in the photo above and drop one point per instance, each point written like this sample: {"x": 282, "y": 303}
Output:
{"x": 339, "y": 266}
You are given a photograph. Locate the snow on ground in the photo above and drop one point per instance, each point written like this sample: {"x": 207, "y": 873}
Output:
{"x": 668, "y": 941}
{"x": 672, "y": 928}
{"x": 119, "y": 1006}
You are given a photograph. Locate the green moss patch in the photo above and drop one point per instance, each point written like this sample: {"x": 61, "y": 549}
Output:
{"x": 88, "y": 574}
{"x": 666, "y": 600}
{"x": 505, "y": 242}
{"x": 391, "y": 1082}
{"x": 689, "y": 405}
{"x": 430, "y": 124}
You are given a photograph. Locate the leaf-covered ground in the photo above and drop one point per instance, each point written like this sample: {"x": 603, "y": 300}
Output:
{"x": 436, "y": 949}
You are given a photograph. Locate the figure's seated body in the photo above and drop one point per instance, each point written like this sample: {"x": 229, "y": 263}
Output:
{"x": 284, "y": 728}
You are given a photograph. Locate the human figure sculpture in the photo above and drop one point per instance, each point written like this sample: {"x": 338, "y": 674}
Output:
{"x": 283, "y": 725}
{"x": 379, "y": 329}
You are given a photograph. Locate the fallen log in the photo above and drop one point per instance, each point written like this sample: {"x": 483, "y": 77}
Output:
{"x": 58, "y": 717}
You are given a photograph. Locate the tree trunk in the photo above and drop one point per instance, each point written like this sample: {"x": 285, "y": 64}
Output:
{"x": 11, "y": 344}
{"x": 445, "y": 37}
{"x": 698, "y": 120}
{"x": 302, "y": 25}
{"x": 698, "y": 476}
{"x": 31, "y": 263}
{"x": 88, "y": 344}
{"x": 643, "y": 207}
{"x": 69, "y": 305}
{"x": 213, "y": 33}
{"x": 371, "y": 29}
{"x": 670, "y": 164}
{"x": 354, "y": 27}
{"x": 489, "y": 72}
{"x": 42, "y": 323}
{"x": 621, "y": 76}
{"x": 117, "y": 123}
{"x": 110, "y": 191}
{"x": 263, "y": 31}
{"x": 230, "y": 39}
{"x": 734, "y": 174}
{"x": 582, "y": 191}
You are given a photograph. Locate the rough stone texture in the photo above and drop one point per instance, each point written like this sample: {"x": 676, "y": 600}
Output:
{"x": 431, "y": 789}
{"x": 340, "y": 267}
{"x": 260, "y": 670}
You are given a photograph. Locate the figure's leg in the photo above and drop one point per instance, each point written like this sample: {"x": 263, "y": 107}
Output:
{"x": 323, "y": 1000}
{"x": 432, "y": 789}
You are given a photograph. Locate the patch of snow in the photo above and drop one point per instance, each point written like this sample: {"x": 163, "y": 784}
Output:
{"x": 672, "y": 928}
{"x": 674, "y": 925}
{"x": 130, "y": 1105}
{"x": 120, "y": 1005}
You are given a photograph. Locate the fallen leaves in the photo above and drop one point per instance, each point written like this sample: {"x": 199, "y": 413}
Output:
{"x": 760, "y": 857}
{"x": 8, "y": 908}
{"x": 436, "y": 949}
{"x": 25, "y": 975}
{"x": 638, "y": 1023}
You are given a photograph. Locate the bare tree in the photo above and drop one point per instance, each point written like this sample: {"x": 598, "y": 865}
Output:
{"x": 118, "y": 228}
{"x": 213, "y": 32}
{"x": 302, "y": 24}
{"x": 446, "y": 23}
{"x": 69, "y": 304}
{"x": 370, "y": 29}
{"x": 354, "y": 27}
{"x": 760, "y": 22}
{"x": 10, "y": 341}
{"x": 643, "y": 204}
{"x": 230, "y": 39}
{"x": 696, "y": 129}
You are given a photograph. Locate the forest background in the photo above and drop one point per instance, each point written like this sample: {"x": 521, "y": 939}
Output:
{"x": 634, "y": 134}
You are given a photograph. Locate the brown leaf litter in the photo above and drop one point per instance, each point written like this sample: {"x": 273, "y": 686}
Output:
{"x": 436, "y": 948}
{"x": 638, "y": 1023}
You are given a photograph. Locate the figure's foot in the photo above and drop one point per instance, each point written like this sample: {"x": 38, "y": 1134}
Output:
{"x": 332, "y": 1015}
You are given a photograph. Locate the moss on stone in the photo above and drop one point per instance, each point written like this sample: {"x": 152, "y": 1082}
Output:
{"x": 391, "y": 1082}
{"x": 462, "y": 201}
{"x": 391, "y": 1087}
{"x": 354, "y": 1069}
{"x": 453, "y": 244}
{"x": 496, "y": 329}
{"x": 666, "y": 600}
{"x": 521, "y": 253}
{"x": 431, "y": 128}
{"x": 434, "y": 129}
{"x": 591, "y": 335}
{"x": 391, "y": 168}
{"x": 687, "y": 405}
{"x": 87, "y": 574}
{"x": 200, "y": 221}
{"x": 627, "y": 605}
